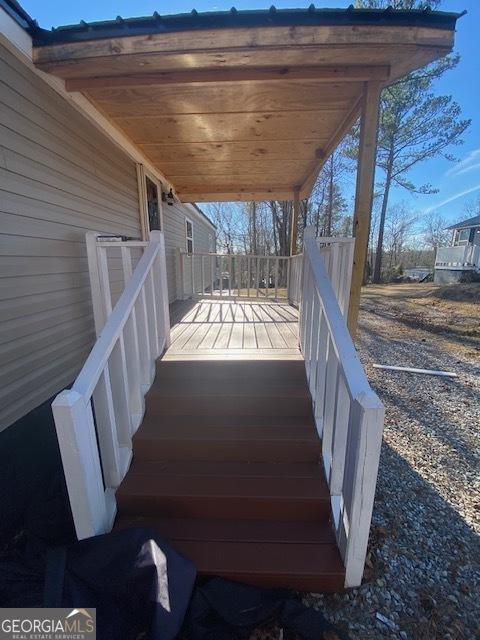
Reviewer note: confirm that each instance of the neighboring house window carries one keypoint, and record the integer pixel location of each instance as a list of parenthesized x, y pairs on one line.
[(463, 236), (189, 235)]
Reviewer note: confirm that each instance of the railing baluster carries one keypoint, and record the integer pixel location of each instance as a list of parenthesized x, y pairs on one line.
[(106, 431), (213, 267), (152, 316), (257, 275), (248, 276), (143, 340), (230, 265), (276, 278), (203, 274), (192, 274), (220, 274), (132, 355)]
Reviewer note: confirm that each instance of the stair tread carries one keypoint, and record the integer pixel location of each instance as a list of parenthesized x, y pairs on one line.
[(197, 468), (153, 480), (152, 423), (155, 429), (253, 554), (234, 530)]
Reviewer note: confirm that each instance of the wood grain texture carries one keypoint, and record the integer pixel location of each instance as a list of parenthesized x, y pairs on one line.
[(235, 87), (235, 484)]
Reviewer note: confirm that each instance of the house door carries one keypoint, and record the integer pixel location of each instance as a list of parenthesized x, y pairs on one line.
[(153, 205)]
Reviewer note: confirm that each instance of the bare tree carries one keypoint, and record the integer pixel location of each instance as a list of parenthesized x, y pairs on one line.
[(435, 231)]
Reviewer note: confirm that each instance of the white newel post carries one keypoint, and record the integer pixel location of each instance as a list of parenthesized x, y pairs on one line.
[(368, 418), (92, 512)]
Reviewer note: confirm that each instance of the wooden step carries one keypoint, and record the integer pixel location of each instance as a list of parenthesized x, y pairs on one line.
[(291, 554), (211, 490), (229, 388), (235, 438), (184, 403), (281, 372)]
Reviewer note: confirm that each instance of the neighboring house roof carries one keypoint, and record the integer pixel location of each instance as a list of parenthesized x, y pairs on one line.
[(229, 19), (471, 222)]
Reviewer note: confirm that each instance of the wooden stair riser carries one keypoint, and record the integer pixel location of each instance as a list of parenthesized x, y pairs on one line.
[(232, 450), (226, 405), (226, 507)]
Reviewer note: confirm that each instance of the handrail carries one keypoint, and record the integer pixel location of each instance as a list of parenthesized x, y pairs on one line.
[(95, 363), (348, 414), (106, 402), (346, 353)]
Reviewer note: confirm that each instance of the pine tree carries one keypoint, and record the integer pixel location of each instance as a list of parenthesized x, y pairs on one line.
[(414, 125)]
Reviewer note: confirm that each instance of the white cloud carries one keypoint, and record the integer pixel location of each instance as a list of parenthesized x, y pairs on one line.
[(452, 198), (470, 163)]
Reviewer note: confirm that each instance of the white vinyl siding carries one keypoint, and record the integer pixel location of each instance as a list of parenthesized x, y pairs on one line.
[(59, 178), (174, 217)]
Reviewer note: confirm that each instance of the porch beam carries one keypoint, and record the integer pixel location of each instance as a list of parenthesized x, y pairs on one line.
[(326, 73), (364, 194), (234, 195)]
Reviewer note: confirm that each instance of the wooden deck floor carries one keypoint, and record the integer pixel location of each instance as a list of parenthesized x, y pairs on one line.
[(243, 329)]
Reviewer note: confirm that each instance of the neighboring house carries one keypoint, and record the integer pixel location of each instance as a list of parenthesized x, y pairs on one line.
[(461, 260)]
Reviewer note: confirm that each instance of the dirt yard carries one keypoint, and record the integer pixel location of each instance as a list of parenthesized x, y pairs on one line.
[(422, 577)]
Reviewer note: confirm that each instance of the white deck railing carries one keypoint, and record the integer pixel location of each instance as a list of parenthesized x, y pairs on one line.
[(348, 414), (233, 275), (106, 401), (458, 258), (252, 276)]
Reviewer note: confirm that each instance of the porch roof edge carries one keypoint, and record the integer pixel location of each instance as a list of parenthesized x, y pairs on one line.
[(273, 17)]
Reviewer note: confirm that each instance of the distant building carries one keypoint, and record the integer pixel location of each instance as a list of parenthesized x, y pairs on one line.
[(453, 263)]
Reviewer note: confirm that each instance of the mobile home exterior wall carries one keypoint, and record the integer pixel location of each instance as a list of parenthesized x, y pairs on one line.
[(59, 178)]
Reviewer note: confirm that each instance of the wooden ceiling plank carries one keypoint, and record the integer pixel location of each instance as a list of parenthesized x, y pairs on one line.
[(310, 125), (339, 133), (207, 152), (231, 167), (227, 97), (338, 73)]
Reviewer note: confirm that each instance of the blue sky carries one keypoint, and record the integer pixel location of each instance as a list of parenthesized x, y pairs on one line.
[(457, 183)]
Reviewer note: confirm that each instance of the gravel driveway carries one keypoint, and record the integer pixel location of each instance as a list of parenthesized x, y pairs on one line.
[(422, 576)]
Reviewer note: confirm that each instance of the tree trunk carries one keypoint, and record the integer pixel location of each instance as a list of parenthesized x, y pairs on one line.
[(377, 272)]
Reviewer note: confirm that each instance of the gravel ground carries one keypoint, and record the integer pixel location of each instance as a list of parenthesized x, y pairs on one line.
[(422, 579)]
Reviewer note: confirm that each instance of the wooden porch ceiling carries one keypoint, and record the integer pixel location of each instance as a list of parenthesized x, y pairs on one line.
[(245, 113)]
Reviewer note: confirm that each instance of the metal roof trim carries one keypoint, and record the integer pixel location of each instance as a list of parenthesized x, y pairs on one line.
[(124, 27)]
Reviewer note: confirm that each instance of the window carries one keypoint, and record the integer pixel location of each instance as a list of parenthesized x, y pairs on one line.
[(153, 205), (189, 235), (211, 243), (463, 236)]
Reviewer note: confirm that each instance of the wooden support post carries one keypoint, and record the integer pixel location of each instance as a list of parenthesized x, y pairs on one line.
[(295, 213), (364, 194)]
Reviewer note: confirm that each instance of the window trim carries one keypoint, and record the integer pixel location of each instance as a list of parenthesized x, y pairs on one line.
[(187, 237)]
